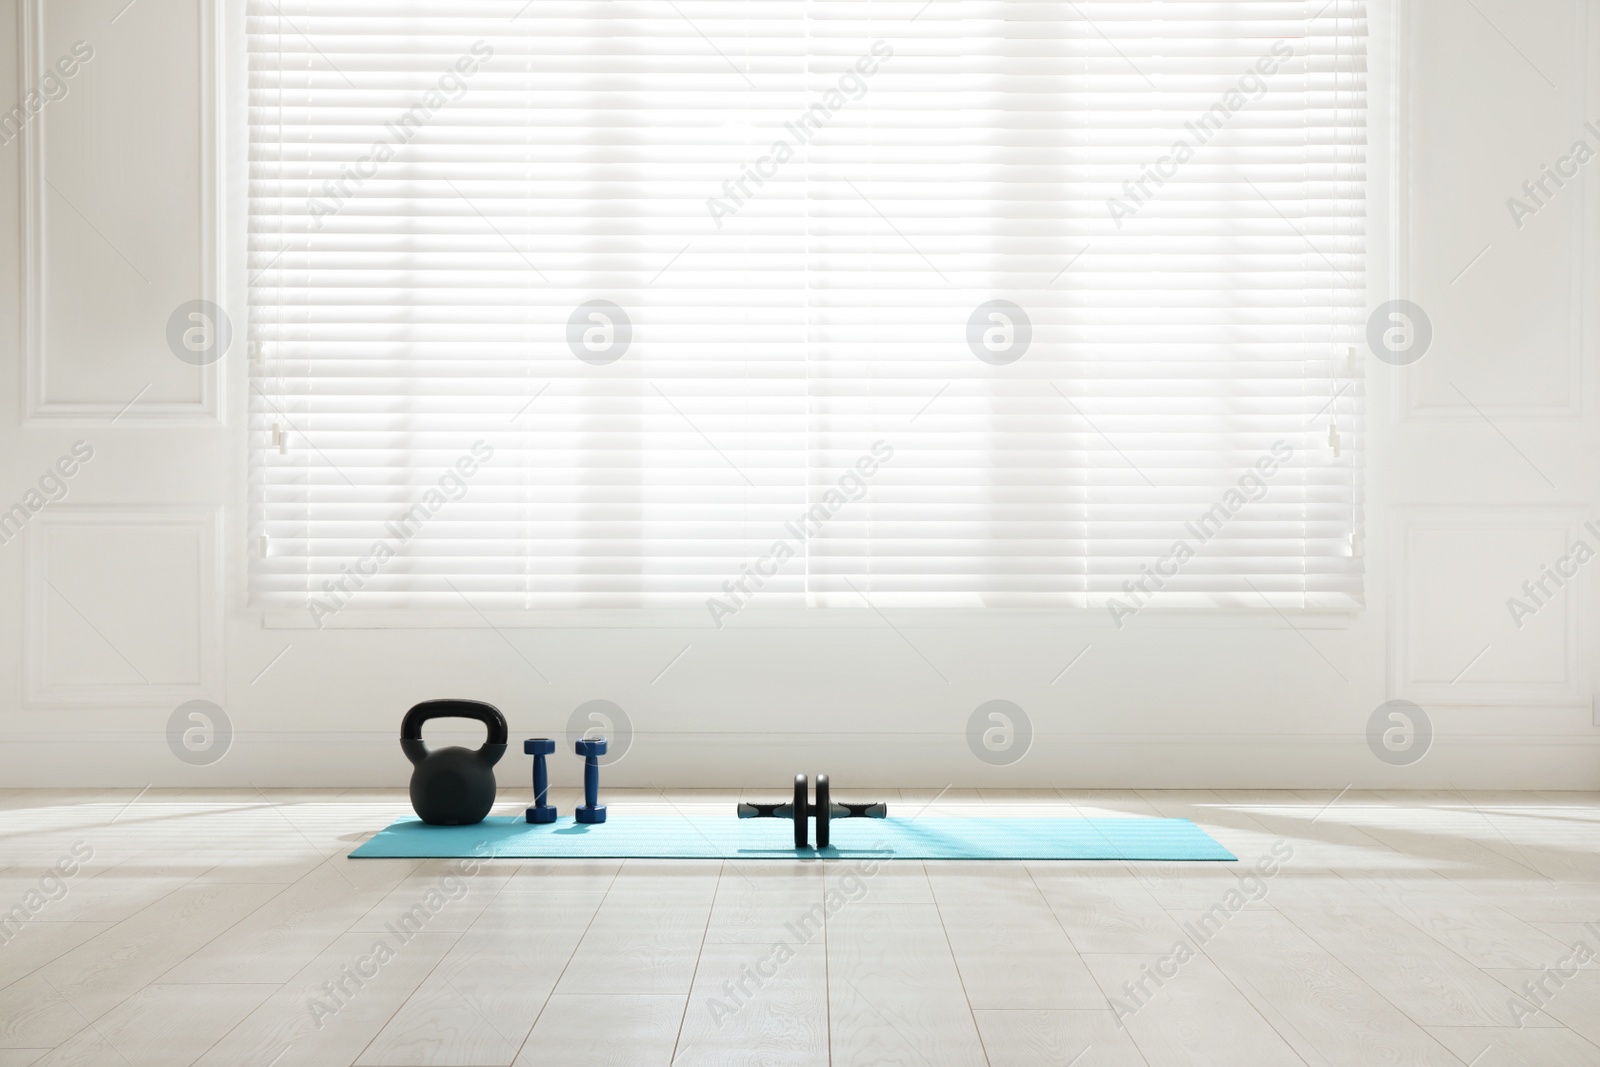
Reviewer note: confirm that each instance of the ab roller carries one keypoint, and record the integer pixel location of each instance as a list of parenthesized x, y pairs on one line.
[(455, 786), (800, 809)]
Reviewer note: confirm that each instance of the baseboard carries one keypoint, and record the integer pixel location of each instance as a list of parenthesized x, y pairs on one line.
[(930, 761)]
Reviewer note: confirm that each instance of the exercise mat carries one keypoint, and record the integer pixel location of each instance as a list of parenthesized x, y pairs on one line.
[(725, 837)]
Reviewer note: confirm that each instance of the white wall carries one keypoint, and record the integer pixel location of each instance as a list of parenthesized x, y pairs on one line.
[(127, 599)]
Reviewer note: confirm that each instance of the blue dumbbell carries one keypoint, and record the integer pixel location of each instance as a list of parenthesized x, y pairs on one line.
[(539, 748), (591, 749)]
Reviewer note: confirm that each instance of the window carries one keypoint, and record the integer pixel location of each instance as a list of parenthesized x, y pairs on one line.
[(668, 303)]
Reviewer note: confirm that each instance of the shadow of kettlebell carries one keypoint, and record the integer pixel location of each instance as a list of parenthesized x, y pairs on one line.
[(453, 786)]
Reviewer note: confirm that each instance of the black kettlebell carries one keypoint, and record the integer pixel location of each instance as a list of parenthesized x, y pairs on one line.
[(453, 786)]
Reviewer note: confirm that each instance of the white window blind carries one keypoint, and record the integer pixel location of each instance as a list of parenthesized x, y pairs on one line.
[(730, 303)]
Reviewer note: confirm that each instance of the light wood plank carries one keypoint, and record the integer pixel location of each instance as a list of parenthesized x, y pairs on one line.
[(605, 1031), (1196, 1019), (288, 931), (1105, 908), (757, 902), (66, 995), (1459, 843), (133, 886), (1478, 931), (758, 1004), (687, 882), (295, 1026), (639, 945), (1572, 1001), (1009, 950), (439, 893), (1322, 840), (994, 885), (35, 944), (563, 877), (894, 991), (161, 1025), (478, 1005), (1031, 1038), (1539, 903), (1426, 980), (1200, 886), (1317, 1004), (1507, 1046), (892, 881)]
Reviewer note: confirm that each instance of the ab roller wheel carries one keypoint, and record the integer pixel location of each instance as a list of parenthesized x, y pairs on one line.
[(798, 811), (824, 810)]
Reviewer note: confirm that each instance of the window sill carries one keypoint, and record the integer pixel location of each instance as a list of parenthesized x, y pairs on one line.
[(1085, 619)]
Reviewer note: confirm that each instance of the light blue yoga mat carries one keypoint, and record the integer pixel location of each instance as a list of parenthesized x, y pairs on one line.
[(731, 838)]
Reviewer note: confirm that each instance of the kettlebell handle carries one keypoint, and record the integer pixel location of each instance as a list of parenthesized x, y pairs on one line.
[(494, 746)]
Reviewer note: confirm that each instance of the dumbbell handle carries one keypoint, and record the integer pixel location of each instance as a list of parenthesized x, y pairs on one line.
[(591, 781), (541, 781)]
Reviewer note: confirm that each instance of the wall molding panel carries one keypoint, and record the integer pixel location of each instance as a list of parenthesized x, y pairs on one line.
[(1576, 257), (123, 606), (1453, 640), (127, 326)]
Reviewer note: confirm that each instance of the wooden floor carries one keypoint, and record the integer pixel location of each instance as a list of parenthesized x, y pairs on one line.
[(227, 928)]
